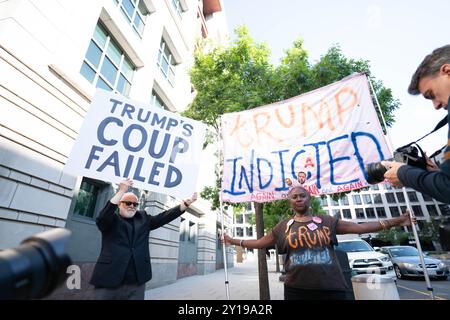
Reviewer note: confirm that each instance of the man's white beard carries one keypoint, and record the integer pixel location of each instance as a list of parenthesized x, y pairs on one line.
[(128, 213)]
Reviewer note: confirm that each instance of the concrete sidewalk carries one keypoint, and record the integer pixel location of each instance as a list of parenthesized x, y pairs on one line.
[(243, 284)]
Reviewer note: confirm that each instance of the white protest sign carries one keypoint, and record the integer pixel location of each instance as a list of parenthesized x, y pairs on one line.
[(119, 138), (320, 140)]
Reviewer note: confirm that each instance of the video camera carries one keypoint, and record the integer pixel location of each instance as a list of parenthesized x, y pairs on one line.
[(35, 268), (410, 154)]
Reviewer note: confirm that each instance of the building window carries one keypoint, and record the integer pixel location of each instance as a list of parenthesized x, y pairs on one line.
[(390, 198), (347, 213), (337, 213), (182, 229), (426, 197), (249, 231), (375, 187), (176, 4), (388, 187), (360, 213), (87, 198), (381, 213), (239, 232), (239, 218), (394, 211), (402, 209), (432, 211), (412, 196), (323, 202), (377, 198), (400, 197), (157, 101), (248, 206), (192, 232), (334, 202), (370, 212), (166, 62), (106, 65), (417, 210), (367, 199), (356, 199), (134, 14), (344, 201)]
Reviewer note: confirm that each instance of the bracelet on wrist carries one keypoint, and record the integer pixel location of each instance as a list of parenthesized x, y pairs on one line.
[(241, 243), (185, 204), (384, 224)]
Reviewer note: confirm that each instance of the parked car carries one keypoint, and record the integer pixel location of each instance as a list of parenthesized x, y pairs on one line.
[(364, 259), (407, 263)]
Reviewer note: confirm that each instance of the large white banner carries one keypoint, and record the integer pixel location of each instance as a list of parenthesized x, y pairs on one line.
[(120, 138), (320, 140)]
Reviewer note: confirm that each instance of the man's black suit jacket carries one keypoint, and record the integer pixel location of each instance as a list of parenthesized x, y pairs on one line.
[(118, 247)]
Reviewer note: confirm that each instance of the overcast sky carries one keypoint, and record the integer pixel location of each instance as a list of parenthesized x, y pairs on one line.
[(394, 35)]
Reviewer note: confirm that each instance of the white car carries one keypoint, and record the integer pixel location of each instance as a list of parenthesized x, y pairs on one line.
[(363, 258)]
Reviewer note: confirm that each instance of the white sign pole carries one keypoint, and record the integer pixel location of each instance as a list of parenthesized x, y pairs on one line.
[(224, 248)]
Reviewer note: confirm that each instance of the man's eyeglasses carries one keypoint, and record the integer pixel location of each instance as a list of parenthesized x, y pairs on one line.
[(129, 203)]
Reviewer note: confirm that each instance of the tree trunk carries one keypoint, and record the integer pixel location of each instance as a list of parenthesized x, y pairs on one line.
[(264, 292)]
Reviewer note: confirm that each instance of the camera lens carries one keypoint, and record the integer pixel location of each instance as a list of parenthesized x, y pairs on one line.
[(375, 172), (36, 267)]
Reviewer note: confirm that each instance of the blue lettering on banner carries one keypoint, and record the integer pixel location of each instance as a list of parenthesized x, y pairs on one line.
[(242, 178), (258, 166), (283, 180), (316, 146), (333, 161), (244, 175), (358, 155), (294, 174)]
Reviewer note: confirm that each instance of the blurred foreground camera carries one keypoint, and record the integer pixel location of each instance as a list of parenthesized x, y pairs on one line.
[(36, 267), (408, 154)]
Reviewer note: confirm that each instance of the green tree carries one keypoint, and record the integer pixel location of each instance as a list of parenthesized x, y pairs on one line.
[(395, 236), (239, 77), (429, 231)]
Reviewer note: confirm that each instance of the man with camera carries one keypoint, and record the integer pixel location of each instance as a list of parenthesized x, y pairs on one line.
[(123, 267), (432, 80)]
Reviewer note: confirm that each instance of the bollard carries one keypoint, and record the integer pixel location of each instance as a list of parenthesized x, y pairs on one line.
[(374, 287)]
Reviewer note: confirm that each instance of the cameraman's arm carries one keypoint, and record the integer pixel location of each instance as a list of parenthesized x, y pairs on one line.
[(436, 183)]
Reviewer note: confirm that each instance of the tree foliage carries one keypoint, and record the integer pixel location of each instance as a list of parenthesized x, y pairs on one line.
[(395, 236)]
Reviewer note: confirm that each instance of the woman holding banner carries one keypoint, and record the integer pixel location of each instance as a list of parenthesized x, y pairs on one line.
[(313, 270)]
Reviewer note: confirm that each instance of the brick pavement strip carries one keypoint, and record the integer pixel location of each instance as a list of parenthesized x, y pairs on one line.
[(243, 284)]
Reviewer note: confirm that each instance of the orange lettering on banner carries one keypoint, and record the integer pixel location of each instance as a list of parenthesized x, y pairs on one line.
[(302, 231), (340, 108), (291, 114), (317, 116), (292, 244), (259, 129), (238, 126)]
